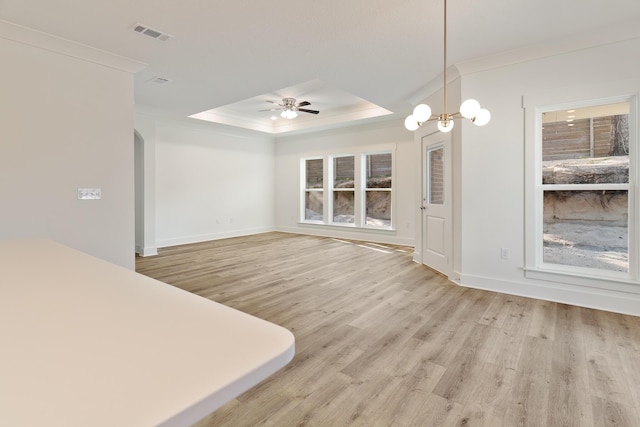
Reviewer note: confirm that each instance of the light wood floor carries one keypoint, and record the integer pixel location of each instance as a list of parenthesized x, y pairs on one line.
[(383, 341)]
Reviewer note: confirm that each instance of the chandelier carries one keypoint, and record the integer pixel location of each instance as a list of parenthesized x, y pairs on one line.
[(469, 109)]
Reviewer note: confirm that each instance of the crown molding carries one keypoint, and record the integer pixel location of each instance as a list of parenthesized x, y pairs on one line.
[(38, 39), (600, 37)]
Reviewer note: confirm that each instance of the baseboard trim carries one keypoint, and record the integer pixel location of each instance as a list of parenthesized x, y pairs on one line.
[(360, 234), (600, 299), (144, 252), (213, 236)]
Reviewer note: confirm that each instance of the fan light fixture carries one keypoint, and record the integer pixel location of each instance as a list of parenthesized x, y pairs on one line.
[(470, 109), (289, 114), (289, 108)]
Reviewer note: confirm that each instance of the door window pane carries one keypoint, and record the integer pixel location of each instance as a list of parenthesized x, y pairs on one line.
[(436, 176)]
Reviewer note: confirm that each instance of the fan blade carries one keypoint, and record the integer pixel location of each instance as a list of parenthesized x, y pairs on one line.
[(304, 110), (273, 102), (272, 109), (304, 104)]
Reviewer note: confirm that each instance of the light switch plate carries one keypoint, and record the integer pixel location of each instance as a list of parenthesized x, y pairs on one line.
[(89, 193)]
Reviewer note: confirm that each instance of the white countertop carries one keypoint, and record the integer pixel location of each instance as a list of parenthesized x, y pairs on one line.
[(86, 343)]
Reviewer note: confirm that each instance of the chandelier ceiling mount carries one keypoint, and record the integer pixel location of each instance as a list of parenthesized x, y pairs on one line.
[(469, 109)]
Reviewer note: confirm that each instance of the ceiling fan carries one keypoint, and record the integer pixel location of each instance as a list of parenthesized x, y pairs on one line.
[(290, 109)]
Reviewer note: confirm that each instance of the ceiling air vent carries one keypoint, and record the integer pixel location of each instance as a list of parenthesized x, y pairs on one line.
[(150, 32), (159, 80)]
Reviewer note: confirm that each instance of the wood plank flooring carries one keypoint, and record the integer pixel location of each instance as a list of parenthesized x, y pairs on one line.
[(383, 341)]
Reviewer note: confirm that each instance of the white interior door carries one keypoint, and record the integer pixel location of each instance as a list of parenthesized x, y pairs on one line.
[(437, 234)]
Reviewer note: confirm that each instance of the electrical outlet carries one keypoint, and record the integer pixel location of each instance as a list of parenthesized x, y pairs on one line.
[(504, 253), (89, 194)]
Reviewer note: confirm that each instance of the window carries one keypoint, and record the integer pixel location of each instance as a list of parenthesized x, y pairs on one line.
[(313, 189), (585, 203), (378, 189), (585, 186), (344, 189), (358, 190)]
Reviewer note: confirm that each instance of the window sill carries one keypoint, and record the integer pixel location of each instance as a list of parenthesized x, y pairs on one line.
[(615, 281), (349, 227)]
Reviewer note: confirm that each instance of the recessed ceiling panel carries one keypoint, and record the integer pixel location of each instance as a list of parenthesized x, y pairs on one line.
[(335, 106)]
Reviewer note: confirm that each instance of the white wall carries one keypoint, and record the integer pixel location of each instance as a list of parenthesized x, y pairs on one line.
[(66, 123), (290, 149), (211, 183), (493, 168)]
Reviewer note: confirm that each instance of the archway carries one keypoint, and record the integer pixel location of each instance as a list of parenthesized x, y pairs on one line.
[(138, 156)]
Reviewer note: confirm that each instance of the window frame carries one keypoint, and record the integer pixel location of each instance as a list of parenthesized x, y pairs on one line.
[(333, 189), (365, 189), (303, 185), (535, 267), (359, 189)]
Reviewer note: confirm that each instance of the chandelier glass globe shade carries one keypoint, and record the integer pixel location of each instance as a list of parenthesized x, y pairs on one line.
[(469, 108), (411, 123), (445, 125), (422, 112), (482, 117)]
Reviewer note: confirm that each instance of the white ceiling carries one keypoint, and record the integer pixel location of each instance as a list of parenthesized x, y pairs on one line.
[(232, 56), (335, 106)]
